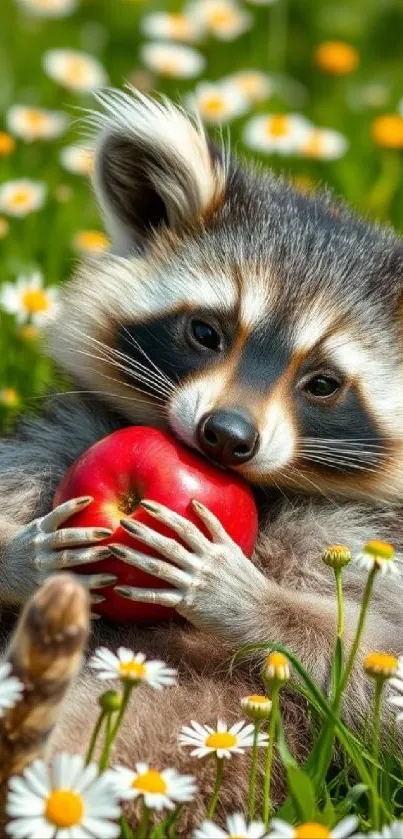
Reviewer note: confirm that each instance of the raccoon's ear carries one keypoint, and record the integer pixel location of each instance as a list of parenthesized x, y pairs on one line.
[(154, 166)]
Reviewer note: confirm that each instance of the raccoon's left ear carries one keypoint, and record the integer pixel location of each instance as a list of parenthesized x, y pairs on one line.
[(154, 166)]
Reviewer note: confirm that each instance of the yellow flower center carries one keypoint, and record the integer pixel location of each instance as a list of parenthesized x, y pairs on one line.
[(168, 67), (380, 550), (337, 556), (249, 84), (35, 300), (311, 830), (7, 144), (221, 18), (221, 740), (132, 670), (20, 198), (213, 104), (336, 57), (180, 26), (277, 126), (64, 808), (257, 698), (277, 660), (383, 664), (76, 70), (92, 240), (35, 119), (9, 397), (150, 781), (387, 131), (314, 145)]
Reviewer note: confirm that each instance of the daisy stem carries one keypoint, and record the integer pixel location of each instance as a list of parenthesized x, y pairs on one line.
[(112, 730), (358, 635), (143, 831), (103, 760), (269, 757), (379, 685), (340, 602), (217, 786), (94, 737), (253, 771)]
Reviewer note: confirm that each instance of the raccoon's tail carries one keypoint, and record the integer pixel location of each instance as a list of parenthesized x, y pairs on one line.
[(45, 653)]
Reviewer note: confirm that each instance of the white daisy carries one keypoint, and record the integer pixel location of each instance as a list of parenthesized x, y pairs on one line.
[(312, 830), (389, 831), (132, 667), (77, 159), (281, 133), (68, 801), (323, 144), (10, 687), (222, 741), (49, 8), (28, 300), (36, 123), (379, 555), (222, 18), (172, 60), (176, 26), (254, 85), (18, 198), (159, 789), (74, 70), (217, 102), (237, 828)]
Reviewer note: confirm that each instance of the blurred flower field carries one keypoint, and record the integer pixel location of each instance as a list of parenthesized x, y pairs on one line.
[(309, 87)]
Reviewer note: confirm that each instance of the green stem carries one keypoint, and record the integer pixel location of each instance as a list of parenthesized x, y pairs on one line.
[(94, 737), (340, 602), (143, 831), (358, 635), (217, 786), (253, 772), (269, 757), (375, 751), (126, 831), (112, 730), (387, 184), (277, 35), (171, 821), (104, 759)]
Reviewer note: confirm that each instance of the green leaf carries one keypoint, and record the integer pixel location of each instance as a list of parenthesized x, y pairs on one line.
[(302, 792)]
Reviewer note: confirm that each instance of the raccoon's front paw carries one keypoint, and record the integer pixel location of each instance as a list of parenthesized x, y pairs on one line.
[(39, 549), (213, 582)]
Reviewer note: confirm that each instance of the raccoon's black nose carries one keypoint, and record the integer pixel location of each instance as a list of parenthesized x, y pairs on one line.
[(229, 437)]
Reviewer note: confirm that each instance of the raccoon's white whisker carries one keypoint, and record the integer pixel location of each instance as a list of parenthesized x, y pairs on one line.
[(340, 464), (111, 351), (317, 488), (132, 387), (154, 387), (138, 347), (157, 391)]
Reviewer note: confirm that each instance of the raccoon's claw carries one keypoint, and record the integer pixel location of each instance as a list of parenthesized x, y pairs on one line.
[(54, 560), (212, 579)]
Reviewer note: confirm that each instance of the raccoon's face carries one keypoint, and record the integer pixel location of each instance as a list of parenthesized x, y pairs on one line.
[(261, 326)]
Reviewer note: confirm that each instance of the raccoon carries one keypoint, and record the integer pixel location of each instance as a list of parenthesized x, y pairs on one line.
[(263, 328)]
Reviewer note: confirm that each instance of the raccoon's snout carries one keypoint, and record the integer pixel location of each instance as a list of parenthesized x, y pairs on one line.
[(228, 437)]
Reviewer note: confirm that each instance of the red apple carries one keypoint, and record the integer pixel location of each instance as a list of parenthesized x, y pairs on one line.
[(141, 462)]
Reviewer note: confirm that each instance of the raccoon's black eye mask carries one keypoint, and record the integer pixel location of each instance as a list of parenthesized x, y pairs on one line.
[(324, 405)]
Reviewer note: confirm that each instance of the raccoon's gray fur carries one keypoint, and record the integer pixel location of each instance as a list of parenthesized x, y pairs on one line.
[(289, 290)]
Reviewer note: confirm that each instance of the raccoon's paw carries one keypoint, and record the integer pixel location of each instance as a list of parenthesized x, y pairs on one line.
[(39, 549), (213, 583)]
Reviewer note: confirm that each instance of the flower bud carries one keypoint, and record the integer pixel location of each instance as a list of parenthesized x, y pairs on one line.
[(276, 670), (336, 556), (256, 707), (111, 700)]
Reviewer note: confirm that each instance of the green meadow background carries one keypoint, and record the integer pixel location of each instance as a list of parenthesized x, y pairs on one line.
[(281, 42)]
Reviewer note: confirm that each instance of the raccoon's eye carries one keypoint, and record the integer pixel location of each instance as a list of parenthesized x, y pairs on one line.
[(321, 386), (199, 333)]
